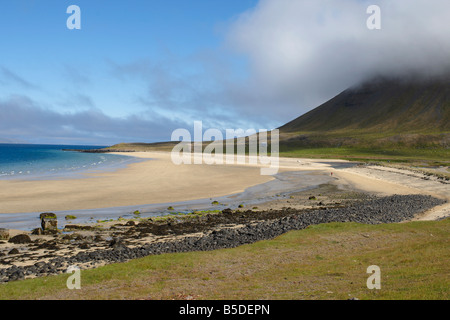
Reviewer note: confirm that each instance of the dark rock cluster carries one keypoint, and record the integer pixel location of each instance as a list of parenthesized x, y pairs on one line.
[(374, 211)]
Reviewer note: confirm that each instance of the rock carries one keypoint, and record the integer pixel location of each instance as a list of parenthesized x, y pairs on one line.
[(37, 232), (47, 215), (4, 234), (39, 264), (16, 275), (116, 243), (98, 238), (20, 239), (130, 223), (85, 246), (78, 237), (227, 211), (78, 227), (51, 245), (14, 251), (374, 211), (49, 222), (68, 237)]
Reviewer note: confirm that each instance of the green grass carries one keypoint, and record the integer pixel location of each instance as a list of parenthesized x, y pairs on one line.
[(368, 146), (440, 156), (321, 262), (351, 144)]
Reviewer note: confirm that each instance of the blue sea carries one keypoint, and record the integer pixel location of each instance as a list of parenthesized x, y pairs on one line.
[(32, 161)]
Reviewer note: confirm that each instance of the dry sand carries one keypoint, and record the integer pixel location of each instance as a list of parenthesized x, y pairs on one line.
[(158, 180)]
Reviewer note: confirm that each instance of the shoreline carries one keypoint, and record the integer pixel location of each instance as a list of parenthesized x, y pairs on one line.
[(236, 184), (142, 183), (294, 175), (58, 166), (50, 255), (282, 186)]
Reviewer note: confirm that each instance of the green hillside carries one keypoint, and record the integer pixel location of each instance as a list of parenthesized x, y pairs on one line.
[(383, 118), (382, 106)]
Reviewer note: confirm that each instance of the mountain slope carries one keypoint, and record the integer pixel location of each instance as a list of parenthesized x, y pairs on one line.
[(383, 106), (379, 115)]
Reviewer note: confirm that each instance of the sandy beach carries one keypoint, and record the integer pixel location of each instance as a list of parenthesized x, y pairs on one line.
[(304, 192), (158, 180)]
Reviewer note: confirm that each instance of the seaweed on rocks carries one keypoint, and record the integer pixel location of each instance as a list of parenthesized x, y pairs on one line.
[(217, 234)]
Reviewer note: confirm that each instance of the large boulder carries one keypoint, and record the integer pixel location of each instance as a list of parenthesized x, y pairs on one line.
[(20, 239), (49, 222), (47, 215)]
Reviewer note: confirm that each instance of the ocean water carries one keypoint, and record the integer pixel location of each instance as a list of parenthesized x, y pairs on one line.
[(31, 161)]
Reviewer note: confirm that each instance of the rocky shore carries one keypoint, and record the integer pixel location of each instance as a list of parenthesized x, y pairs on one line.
[(89, 247)]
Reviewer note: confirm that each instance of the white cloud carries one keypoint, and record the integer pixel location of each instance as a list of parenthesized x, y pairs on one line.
[(302, 52), (25, 120)]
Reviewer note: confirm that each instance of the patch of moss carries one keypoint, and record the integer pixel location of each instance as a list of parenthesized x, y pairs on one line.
[(47, 215), (103, 221)]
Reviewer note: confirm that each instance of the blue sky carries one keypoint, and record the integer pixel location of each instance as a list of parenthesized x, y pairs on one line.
[(139, 69), (35, 31), (70, 71)]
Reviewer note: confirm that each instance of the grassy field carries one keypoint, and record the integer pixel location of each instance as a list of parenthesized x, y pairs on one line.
[(431, 156), (322, 262), (369, 147)]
